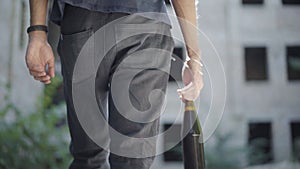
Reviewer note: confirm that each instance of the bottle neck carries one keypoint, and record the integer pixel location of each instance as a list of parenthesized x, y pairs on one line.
[(189, 106), (191, 121)]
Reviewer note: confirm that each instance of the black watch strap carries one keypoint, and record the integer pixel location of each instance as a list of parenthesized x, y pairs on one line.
[(37, 28)]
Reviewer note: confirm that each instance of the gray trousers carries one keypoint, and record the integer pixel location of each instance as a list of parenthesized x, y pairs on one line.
[(127, 55)]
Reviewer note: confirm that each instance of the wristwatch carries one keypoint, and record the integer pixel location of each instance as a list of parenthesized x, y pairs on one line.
[(37, 28)]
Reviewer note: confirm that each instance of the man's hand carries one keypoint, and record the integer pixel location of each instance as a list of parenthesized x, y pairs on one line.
[(39, 57), (192, 79), (191, 74)]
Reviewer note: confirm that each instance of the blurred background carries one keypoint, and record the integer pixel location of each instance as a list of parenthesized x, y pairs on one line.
[(258, 42)]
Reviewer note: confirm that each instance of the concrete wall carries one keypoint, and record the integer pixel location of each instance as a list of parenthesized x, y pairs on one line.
[(276, 100)]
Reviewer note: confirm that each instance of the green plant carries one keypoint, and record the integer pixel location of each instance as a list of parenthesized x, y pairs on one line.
[(222, 155), (257, 152), (34, 140)]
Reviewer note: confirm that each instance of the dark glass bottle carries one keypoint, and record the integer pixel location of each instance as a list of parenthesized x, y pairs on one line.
[(192, 143)]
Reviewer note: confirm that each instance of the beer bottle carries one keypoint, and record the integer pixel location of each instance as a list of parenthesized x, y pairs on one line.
[(192, 143)]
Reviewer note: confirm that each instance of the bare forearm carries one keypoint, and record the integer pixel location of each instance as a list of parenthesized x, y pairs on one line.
[(38, 12), (186, 11)]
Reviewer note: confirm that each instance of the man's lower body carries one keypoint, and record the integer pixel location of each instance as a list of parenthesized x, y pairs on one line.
[(146, 56)]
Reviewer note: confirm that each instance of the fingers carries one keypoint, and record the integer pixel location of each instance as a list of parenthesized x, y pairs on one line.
[(37, 73), (185, 88), (51, 67), (192, 78), (188, 92), (196, 61), (36, 70), (43, 79)]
